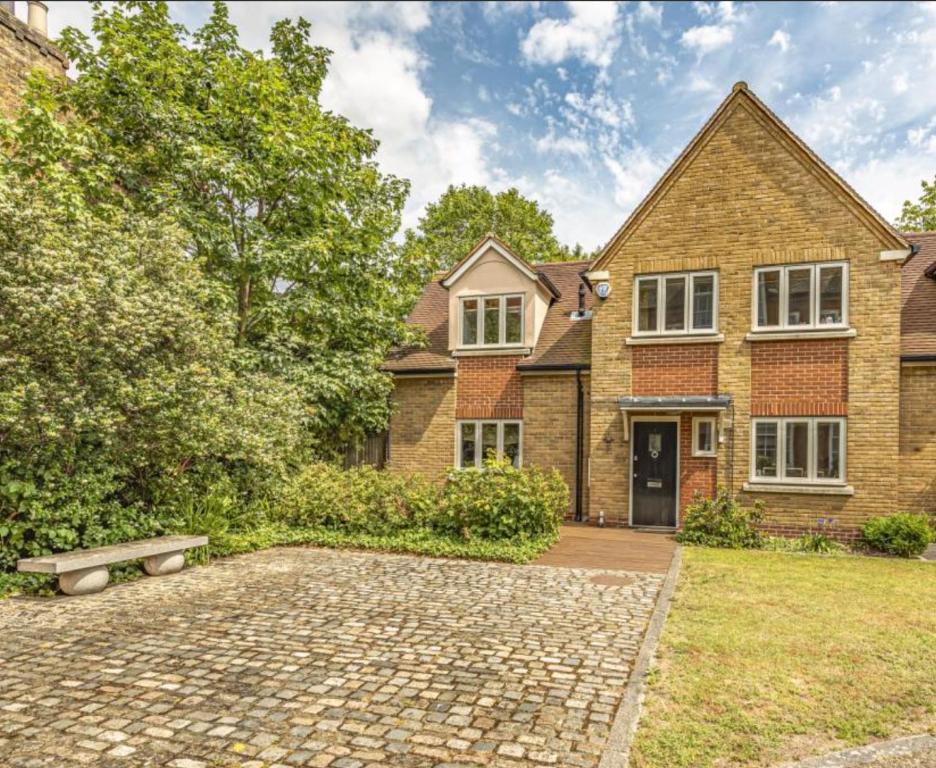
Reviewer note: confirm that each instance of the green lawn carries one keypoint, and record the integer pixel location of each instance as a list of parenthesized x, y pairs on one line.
[(768, 656)]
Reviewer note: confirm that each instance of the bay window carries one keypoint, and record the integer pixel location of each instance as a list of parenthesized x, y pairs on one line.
[(491, 321), (478, 441), (798, 450), (683, 303), (801, 296)]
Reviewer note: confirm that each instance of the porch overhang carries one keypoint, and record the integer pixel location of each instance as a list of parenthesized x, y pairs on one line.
[(716, 404)]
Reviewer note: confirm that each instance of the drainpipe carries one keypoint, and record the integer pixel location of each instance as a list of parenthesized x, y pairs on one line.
[(579, 440)]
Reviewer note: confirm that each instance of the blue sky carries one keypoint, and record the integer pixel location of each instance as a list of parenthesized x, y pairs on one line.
[(583, 105)]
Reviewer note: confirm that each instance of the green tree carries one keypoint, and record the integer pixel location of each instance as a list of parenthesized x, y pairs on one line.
[(279, 199), (920, 216), (120, 384), (463, 215)]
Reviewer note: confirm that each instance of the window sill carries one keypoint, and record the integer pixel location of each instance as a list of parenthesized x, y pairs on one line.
[(689, 338), (486, 351), (801, 488), (793, 335)]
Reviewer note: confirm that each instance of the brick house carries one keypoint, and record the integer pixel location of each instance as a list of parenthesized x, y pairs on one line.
[(753, 324)]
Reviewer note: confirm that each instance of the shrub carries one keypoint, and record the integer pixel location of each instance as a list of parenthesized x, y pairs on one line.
[(721, 522), (502, 502), (359, 500), (904, 534), (497, 503)]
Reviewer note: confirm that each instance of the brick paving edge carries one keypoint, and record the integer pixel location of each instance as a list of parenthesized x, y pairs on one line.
[(908, 745), (617, 752)]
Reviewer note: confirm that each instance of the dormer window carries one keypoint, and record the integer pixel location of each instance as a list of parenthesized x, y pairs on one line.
[(492, 321)]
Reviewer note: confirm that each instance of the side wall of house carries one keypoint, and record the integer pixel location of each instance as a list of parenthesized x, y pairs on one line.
[(422, 428), (21, 51), (918, 438), (549, 423), (746, 200)]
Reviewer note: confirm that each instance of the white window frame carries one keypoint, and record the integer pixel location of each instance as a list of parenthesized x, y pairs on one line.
[(502, 321), (811, 478), (696, 420), (814, 309), (688, 314), (479, 459)]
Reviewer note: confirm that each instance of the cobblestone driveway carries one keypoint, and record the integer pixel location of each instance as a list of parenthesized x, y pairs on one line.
[(320, 658)]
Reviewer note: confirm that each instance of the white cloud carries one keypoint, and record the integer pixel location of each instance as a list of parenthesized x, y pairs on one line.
[(590, 34), (647, 11), (600, 106), (886, 183), (781, 39), (569, 145), (900, 84), (707, 38), (634, 173)]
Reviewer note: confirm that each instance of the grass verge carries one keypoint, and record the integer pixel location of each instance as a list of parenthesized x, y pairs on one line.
[(418, 542), (768, 657)]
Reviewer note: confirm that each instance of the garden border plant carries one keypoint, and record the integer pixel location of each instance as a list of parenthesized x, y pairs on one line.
[(499, 513)]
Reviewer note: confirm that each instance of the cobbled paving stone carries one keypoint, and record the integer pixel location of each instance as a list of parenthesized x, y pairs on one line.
[(307, 657)]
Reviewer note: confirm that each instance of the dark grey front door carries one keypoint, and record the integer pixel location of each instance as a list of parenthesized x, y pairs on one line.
[(654, 445)]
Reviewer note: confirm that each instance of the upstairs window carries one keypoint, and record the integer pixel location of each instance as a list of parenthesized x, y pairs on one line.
[(801, 296), (492, 321), (675, 304)]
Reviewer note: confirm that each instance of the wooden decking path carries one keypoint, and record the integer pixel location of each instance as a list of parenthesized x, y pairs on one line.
[(617, 549)]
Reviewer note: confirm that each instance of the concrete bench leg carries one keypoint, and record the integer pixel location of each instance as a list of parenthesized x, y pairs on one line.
[(168, 562), (85, 581)]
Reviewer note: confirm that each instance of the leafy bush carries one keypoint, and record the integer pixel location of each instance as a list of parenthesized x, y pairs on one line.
[(359, 500), (502, 502), (121, 390), (721, 522), (497, 503), (904, 534)]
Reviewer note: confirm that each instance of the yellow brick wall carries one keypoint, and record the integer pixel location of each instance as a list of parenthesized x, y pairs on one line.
[(746, 200), (918, 438), (422, 429), (22, 50), (549, 418)]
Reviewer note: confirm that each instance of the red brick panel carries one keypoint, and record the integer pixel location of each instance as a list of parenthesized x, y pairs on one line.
[(696, 473), (674, 369), (489, 388), (799, 378)]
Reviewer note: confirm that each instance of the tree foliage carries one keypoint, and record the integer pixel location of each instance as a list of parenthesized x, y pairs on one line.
[(921, 215), (120, 384), (279, 199), (459, 219)]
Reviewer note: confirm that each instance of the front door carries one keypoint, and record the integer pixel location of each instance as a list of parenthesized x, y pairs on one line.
[(654, 447)]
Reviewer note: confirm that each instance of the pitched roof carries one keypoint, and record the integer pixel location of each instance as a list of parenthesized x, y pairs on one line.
[(918, 298), (562, 341), (741, 94), (430, 314)]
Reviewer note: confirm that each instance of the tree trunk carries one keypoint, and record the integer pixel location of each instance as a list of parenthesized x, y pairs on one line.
[(243, 308)]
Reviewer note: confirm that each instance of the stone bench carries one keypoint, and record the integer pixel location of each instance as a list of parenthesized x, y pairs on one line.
[(85, 570)]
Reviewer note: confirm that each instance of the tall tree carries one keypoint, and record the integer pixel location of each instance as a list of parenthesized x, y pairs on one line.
[(920, 216), (280, 199), (459, 219)]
